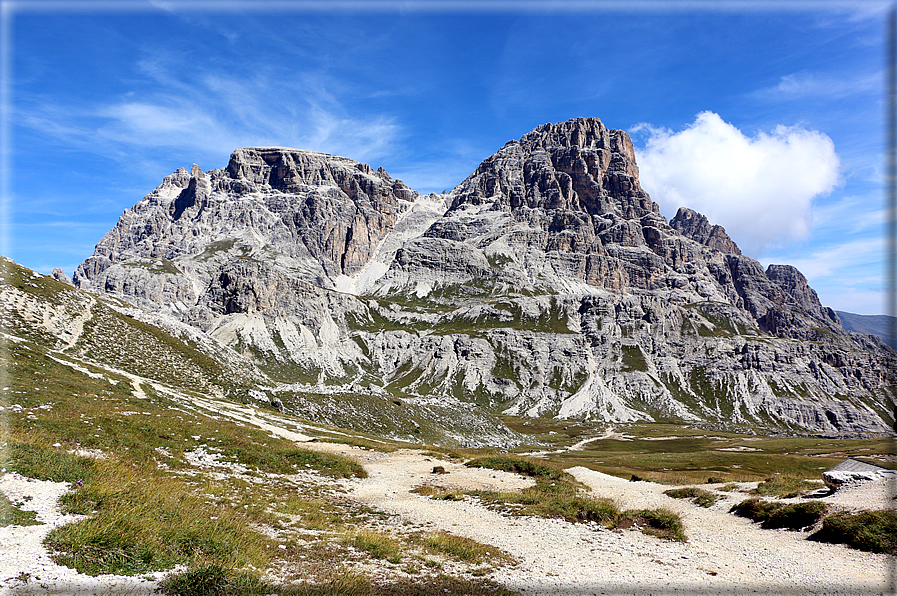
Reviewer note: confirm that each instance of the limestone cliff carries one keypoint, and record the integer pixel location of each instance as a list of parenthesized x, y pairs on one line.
[(547, 283)]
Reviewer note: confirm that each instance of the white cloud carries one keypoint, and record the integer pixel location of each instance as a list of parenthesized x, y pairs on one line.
[(759, 188), (211, 116)]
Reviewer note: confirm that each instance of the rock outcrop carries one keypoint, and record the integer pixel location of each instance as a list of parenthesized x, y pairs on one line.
[(692, 224), (545, 284)]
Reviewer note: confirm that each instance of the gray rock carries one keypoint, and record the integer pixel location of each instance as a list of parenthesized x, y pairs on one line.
[(60, 275)]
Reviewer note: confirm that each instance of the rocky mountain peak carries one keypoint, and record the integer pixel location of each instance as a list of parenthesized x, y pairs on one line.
[(795, 286), (696, 226), (578, 165), (584, 133)]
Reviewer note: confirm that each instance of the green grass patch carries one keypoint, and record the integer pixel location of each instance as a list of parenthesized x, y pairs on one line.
[(378, 544), (11, 514), (519, 465), (284, 459), (36, 459), (784, 487), (698, 496), (144, 521), (693, 454), (463, 549), (438, 493), (213, 580), (562, 501), (873, 531)]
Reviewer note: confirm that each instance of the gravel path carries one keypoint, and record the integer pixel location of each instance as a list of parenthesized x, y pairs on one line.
[(725, 554)]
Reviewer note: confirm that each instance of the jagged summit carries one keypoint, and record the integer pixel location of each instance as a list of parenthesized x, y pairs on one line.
[(577, 165), (547, 283), (697, 227)]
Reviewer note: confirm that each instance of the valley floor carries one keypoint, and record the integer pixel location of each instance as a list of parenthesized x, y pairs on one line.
[(724, 554)]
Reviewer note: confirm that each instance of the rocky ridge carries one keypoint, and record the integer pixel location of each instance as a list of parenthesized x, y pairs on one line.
[(545, 284)]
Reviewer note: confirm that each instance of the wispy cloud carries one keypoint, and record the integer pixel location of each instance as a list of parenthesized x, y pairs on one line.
[(845, 260), (850, 216), (759, 188), (211, 115), (804, 84), (847, 276)]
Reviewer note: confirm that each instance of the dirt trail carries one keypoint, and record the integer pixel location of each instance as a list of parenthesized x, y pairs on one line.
[(725, 554)]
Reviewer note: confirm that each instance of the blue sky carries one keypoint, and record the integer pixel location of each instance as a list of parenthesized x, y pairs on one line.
[(767, 117)]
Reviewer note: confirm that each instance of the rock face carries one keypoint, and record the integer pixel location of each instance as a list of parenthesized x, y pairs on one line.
[(545, 284)]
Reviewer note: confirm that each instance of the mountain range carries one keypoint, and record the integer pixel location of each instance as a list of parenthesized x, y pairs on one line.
[(547, 283)]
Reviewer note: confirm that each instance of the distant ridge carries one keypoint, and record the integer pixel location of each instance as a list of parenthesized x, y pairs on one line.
[(879, 325)]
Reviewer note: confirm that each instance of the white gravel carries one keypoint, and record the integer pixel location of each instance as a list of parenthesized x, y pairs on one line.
[(725, 554), (25, 566)]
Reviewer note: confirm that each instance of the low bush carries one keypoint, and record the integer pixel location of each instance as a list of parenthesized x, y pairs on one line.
[(793, 516), (661, 522), (874, 531)]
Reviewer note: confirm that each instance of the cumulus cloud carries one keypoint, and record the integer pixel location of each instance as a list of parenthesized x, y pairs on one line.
[(759, 188)]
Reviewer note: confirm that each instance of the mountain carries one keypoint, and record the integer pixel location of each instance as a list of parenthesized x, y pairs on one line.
[(547, 283), (880, 325)]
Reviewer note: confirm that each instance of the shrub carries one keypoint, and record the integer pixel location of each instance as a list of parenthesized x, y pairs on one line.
[(661, 522), (874, 531), (779, 515)]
